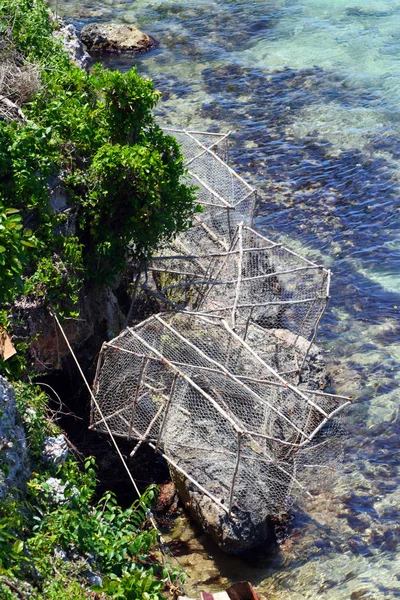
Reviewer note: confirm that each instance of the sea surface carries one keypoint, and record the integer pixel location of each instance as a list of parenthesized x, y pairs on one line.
[(311, 91)]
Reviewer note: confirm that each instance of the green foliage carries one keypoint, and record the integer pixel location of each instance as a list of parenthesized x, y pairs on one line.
[(141, 585), (100, 534), (129, 185), (103, 529), (15, 240), (128, 101), (123, 181), (122, 177), (32, 407), (96, 533), (31, 28), (11, 546)]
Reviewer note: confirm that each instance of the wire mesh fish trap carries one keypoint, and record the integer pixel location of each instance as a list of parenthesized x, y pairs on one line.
[(265, 291), (226, 197), (192, 389), (194, 143)]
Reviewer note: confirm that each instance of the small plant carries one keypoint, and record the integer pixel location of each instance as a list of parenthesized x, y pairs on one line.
[(97, 535)]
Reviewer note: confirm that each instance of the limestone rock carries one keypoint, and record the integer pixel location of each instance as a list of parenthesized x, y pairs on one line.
[(116, 38), (100, 319), (14, 461), (55, 450), (233, 536), (54, 491), (73, 45)]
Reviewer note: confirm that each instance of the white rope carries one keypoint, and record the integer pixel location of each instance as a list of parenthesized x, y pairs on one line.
[(103, 419)]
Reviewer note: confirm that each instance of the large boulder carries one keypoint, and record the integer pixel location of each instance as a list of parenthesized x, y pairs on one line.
[(14, 460), (251, 527), (116, 38), (243, 532)]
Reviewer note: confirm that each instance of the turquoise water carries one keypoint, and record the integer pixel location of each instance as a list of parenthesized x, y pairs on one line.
[(311, 90)]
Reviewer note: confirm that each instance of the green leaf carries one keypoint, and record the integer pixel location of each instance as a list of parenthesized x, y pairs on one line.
[(18, 546)]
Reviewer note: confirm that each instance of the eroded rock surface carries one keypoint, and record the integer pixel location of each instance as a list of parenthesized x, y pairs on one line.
[(100, 318), (73, 45), (244, 532), (116, 38), (14, 461)]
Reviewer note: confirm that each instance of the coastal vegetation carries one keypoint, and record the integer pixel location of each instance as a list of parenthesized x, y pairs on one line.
[(87, 181)]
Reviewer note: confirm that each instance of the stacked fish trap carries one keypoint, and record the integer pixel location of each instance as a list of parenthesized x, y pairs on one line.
[(210, 382), (269, 295)]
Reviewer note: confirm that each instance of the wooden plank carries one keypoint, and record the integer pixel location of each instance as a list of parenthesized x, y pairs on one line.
[(7, 349)]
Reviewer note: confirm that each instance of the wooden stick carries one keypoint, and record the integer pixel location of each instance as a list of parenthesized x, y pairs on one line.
[(259, 235), (194, 481), (171, 394), (239, 442), (225, 372), (239, 275), (225, 203), (143, 367), (116, 413), (133, 300), (272, 303), (210, 233), (275, 374), (317, 323), (335, 412), (96, 378), (105, 422), (279, 273), (187, 378), (146, 433), (225, 166), (205, 149), (212, 254)]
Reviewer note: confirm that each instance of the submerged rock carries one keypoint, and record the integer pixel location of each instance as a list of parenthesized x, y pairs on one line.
[(116, 38)]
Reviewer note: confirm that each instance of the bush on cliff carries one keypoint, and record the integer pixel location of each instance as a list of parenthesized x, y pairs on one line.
[(87, 180), (117, 179)]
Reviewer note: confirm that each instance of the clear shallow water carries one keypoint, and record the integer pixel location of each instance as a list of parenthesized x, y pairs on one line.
[(311, 89)]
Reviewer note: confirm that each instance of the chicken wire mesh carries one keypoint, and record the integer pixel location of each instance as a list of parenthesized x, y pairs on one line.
[(191, 388), (195, 143), (213, 386), (270, 296), (227, 199)]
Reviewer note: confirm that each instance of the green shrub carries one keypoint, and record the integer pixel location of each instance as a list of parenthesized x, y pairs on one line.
[(116, 539), (123, 177)]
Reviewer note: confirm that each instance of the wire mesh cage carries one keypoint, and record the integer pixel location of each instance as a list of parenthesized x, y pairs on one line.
[(264, 290), (195, 143), (192, 389), (227, 199)]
